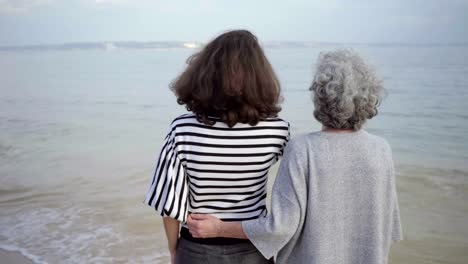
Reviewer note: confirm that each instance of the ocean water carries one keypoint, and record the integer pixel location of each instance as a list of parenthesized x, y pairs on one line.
[(80, 131)]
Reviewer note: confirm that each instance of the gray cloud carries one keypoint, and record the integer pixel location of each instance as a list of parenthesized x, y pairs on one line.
[(366, 21)]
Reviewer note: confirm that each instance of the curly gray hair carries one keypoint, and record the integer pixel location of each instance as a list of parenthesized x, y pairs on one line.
[(346, 90)]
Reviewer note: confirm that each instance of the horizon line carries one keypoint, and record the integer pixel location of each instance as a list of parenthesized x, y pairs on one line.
[(200, 43)]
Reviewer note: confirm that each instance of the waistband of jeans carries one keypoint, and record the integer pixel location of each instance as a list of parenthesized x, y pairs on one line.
[(219, 241)]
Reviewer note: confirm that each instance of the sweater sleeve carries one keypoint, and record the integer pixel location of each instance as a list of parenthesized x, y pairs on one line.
[(397, 233), (271, 233), (167, 192)]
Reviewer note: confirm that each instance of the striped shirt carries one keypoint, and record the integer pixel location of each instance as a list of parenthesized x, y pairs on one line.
[(216, 169)]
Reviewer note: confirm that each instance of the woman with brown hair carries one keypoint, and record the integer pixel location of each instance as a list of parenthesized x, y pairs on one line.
[(215, 160)]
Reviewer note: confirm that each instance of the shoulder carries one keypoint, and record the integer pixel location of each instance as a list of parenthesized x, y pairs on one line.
[(185, 118), (298, 142), (299, 146), (274, 122), (304, 141), (375, 138), (192, 118), (379, 142), (181, 121), (278, 120)]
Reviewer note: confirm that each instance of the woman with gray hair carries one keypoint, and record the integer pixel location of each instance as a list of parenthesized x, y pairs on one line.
[(334, 199)]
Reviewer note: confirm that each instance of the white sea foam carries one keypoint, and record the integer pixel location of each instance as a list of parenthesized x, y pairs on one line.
[(58, 235), (24, 252)]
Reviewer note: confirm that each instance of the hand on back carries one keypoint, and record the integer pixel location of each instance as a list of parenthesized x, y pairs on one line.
[(204, 225)]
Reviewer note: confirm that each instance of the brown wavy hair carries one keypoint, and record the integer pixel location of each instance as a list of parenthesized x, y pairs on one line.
[(230, 79)]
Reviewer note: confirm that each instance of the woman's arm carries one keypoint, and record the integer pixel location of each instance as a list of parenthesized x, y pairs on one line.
[(171, 226), (288, 209)]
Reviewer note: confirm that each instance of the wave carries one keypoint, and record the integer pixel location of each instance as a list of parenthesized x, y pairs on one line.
[(71, 234), (35, 259), (432, 115)]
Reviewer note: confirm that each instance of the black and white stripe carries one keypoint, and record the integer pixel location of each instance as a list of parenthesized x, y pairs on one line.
[(216, 169)]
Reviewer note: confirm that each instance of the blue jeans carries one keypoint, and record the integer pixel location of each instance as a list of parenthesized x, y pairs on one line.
[(194, 253)]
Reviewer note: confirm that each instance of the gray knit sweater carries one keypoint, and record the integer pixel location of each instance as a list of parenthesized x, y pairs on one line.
[(333, 202)]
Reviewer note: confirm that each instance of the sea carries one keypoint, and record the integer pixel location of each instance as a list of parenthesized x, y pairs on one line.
[(80, 131)]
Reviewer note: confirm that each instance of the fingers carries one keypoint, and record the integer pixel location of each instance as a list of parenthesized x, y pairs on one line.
[(195, 233), (190, 220), (196, 216), (199, 216), (193, 226)]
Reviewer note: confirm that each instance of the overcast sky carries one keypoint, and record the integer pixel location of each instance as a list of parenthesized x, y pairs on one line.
[(25, 22)]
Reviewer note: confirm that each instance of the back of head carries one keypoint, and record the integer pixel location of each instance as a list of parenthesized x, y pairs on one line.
[(346, 90), (230, 78)]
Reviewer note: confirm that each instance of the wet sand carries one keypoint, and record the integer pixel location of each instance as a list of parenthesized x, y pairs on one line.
[(13, 257)]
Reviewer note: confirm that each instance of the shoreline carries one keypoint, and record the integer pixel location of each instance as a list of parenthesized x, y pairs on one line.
[(14, 257)]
